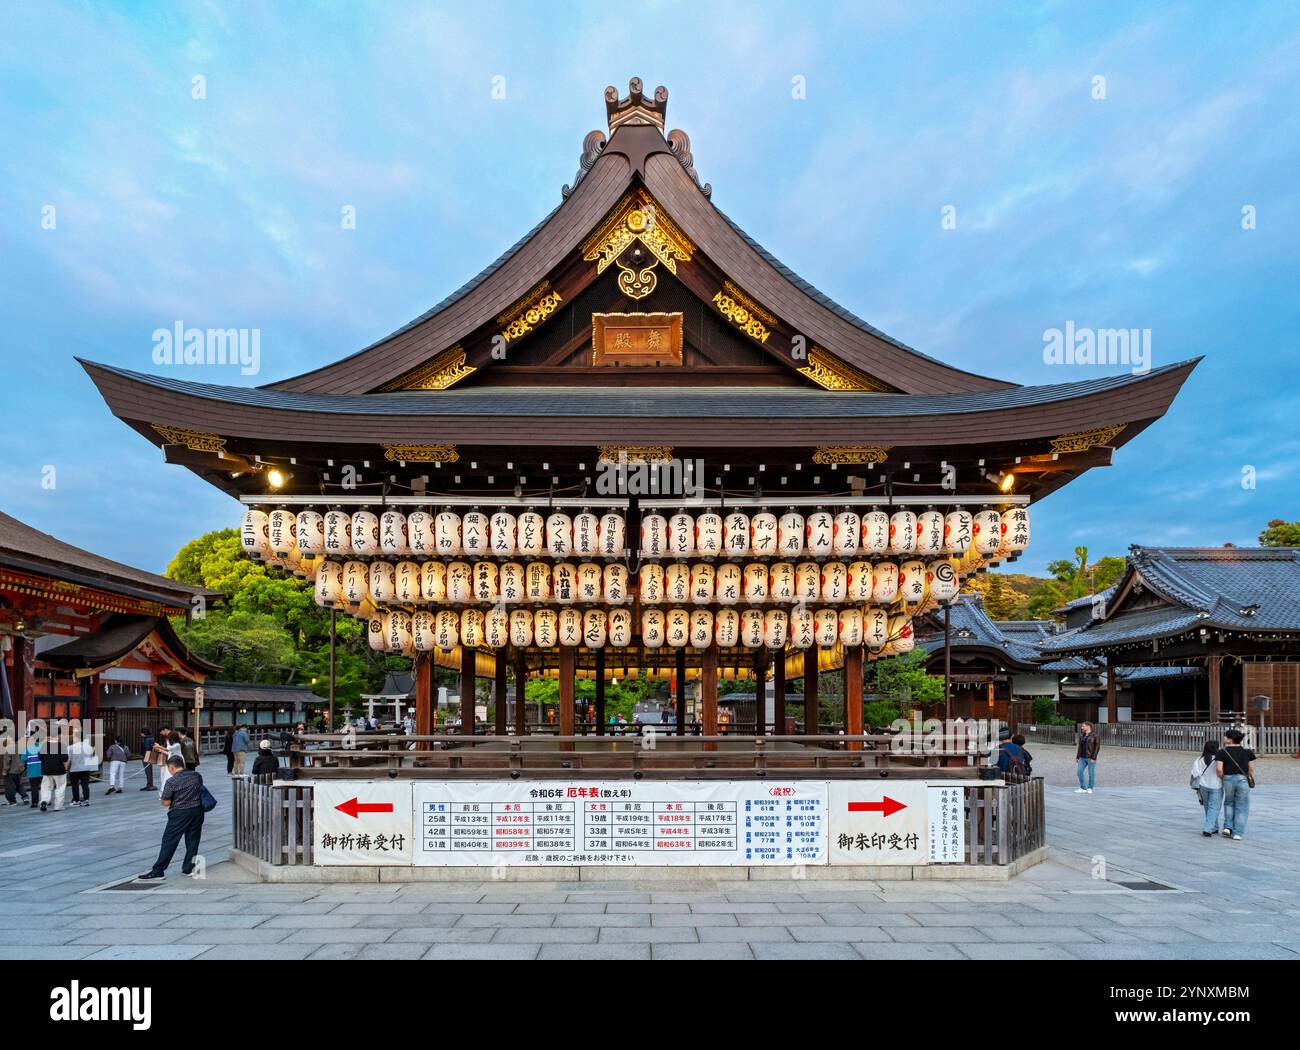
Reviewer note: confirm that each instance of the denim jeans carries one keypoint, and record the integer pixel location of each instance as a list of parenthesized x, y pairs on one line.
[(1236, 803), (1088, 766), (1212, 800), (181, 823)]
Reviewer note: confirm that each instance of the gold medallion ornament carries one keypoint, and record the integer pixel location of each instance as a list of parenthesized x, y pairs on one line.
[(830, 373), (1082, 440), (194, 440), (743, 312), (637, 219), (421, 454), (635, 453), (529, 312), (851, 454), (447, 369)]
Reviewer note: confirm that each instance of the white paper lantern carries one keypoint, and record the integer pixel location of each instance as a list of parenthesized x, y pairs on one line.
[(559, 535), (762, 534), (568, 627), (681, 535), (677, 628), (775, 628), (420, 533), (651, 583), (726, 628), (654, 535), (708, 534), (1015, 528), (546, 628), (958, 531), (902, 532), (911, 581), (433, 581), (803, 627), (620, 628), (701, 628), (735, 534), (826, 627), (460, 582), (848, 533), (586, 534), (988, 531), (329, 583), (677, 582), (471, 628), (851, 628), (476, 534), (875, 532), (397, 626), (875, 627), (496, 628), (376, 636), (729, 585), (900, 634), (652, 628), (446, 630), (929, 533), (942, 579), (591, 582), (858, 588), (564, 582), (780, 583), (595, 629), (282, 531), (789, 534), (383, 582), (422, 631), (521, 628), (819, 531), (756, 582), (447, 534), (834, 582), (751, 628), (530, 534), (702, 581), (537, 575), (254, 534), (393, 539), (310, 530), (615, 584), (884, 582), (807, 581), (612, 536), (512, 582), (356, 581), (365, 533), (486, 581), (502, 534), (338, 533)]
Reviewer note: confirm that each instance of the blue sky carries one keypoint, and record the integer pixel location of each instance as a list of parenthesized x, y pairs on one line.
[(1123, 211)]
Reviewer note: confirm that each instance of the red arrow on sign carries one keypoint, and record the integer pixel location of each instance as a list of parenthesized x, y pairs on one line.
[(353, 808), (884, 807)]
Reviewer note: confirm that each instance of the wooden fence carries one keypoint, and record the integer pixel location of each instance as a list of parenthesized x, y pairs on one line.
[(1168, 736)]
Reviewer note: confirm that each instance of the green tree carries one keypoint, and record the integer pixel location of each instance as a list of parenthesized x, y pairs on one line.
[(904, 681), (1281, 534), (1075, 579), (997, 602)]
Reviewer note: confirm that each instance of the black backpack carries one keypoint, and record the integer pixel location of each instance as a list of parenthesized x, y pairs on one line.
[(1017, 771)]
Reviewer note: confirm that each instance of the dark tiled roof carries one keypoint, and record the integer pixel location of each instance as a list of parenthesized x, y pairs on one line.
[(1087, 599), (237, 692), (617, 402), (968, 615), (118, 636), (1151, 674)]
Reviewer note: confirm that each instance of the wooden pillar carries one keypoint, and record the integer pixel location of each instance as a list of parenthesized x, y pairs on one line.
[(760, 693), (22, 680), (499, 695), (811, 711), (1112, 697), (681, 691), (778, 694), (853, 694), (709, 693), (947, 662), (424, 696), (600, 692), (1215, 681), (467, 669), (568, 665), (521, 690), (93, 690)]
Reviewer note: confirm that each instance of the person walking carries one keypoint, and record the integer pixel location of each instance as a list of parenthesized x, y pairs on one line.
[(1086, 758), (1236, 766), (32, 759), (82, 761), (54, 776), (240, 745), (228, 750), (14, 766), (266, 763), (182, 797), (1209, 787), (189, 749), (117, 757), (147, 758)]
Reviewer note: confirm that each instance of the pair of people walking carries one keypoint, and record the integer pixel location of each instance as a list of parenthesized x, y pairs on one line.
[(1223, 777)]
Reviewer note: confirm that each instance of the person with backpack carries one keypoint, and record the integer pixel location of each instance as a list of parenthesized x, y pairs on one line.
[(1019, 741), (1011, 758), (1208, 785), (117, 757), (1236, 766), (1086, 757)]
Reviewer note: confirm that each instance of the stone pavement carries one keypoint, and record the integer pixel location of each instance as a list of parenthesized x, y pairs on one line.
[(63, 897)]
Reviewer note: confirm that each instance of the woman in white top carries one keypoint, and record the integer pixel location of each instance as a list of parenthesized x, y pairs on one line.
[(173, 747), (1209, 785)]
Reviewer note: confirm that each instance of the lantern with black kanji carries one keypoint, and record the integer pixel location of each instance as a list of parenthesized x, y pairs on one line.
[(988, 531), (338, 533), (612, 537), (393, 538), (530, 534), (911, 581), (751, 628), (586, 534), (521, 628), (447, 533), (803, 627), (702, 577), (422, 631), (834, 582), (537, 575), (329, 583), (677, 582), (651, 583), (496, 628), (789, 534), (615, 583), (681, 535), (545, 628), (726, 628), (365, 533), (735, 534), (564, 583), (476, 534), (502, 534), (708, 534), (942, 578), (420, 533), (446, 629), (620, 628), (310, 530), (780, 583), (756, 582), (433, 581), (654, 535), (826, 627), (807, 581), (595, 628), (775, 628), (408, 583), (677, 629), (902, 532), (762, 534), (819, 532), (875, 532), (559, 534), (253, 534), (701, 628)]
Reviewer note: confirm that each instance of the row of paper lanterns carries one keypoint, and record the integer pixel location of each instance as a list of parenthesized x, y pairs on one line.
[(283, 534), (410, 583), (802, 628)]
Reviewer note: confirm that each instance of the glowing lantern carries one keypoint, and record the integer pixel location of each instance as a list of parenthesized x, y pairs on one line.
[(471, 628), (875, 627), (422, 631), (564, 581), (568, 627), (512, 582), (988, 531), (496, 628), (476, 534), (884, 582), (751, 628), (356, 581), (901, 638), (735, 534), (775, 628), (820, 531), (397, 626), (762, 534), (612, 535), (826, 627), (538, 581), (559, 534), (958, 531), (848, 532), (654, 535), (530, 535), (726, 628), (486, 579), (835, 581), (701, 628), (282, 529), (590, 582), (859, 582), (365, 533), (780, 584), (875, 532), (595, 629), (681, 535), (420, 533), (708, 533), (677, 582), (677, 628), (393, 533), (446, 630), (651, 583), (502, 533), (902, 532), (460, 582), (942, 579), (446, 533), (756, 582), (929, 533), (433, 581), (652, 628), (851, 627), (310, 530), (728, 583), (620, 628), (383, 582), (375, 634), (521, 628), (1015, 528), (253, 534), (911, 581), (807, 581), (702, 577), (803, 628), (329, 583), (545, 627), (789, 534), (616, 584), (586, 534), (338, 533)]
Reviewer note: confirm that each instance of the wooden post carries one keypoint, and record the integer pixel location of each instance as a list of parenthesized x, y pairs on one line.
[(499, 695), (92, 699), (811, 711), (467, 670), (521, 688), (23, 679), (1215, 681), (709, 692), (760, 693), (568, 665), (1112, 698), (600, 692), (681, 691), (424, 696), (853, 694), (947, 662), (778, 693), (333, 614)]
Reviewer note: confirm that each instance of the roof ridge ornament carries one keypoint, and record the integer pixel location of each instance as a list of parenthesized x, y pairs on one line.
[(636, 108)]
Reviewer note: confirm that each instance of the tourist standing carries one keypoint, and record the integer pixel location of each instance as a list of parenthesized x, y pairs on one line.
[(1236, 766), (117, 757), (182, 797), (189, 749), (54, 775), (265, 764), (14, 766), (1086, 757), (240, 745), (228, 749), (82, 761), (1019, 741), (32, 759), (168, 746), (147, 758), (1209, 786)]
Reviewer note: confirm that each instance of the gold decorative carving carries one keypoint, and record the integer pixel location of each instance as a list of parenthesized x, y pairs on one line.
[(637, 284), (529, 312), (851, 454), (421, 454), (743, 312), (636, 339), (635, 453), (637, 217), (447, 369), (1082, 440), (194, 440), (831, 373)]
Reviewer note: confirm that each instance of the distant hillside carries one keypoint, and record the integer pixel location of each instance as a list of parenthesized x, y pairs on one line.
[(1012, 593)]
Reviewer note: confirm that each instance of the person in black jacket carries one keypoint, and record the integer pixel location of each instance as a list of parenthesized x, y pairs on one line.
[(266, 763), (229, 751), (54, 775)]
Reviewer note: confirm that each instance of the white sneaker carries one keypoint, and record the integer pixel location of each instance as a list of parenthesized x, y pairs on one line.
[(1089, 791), (1236, 838), (1080, 791), (1226, 833)]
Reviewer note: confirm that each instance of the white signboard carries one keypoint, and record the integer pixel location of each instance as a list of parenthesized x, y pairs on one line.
[(879, 822), (362, 822), (947, 824), (620, 822)]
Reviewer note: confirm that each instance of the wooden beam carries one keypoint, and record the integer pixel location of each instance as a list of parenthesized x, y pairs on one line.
[(521, 688), (568, 665), (778, 694), (709, 693), (468, 659), (811, 711), (1215, 680), (853, 695), (499, 694), (424, 696), (1112, 697), (600, 692)]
